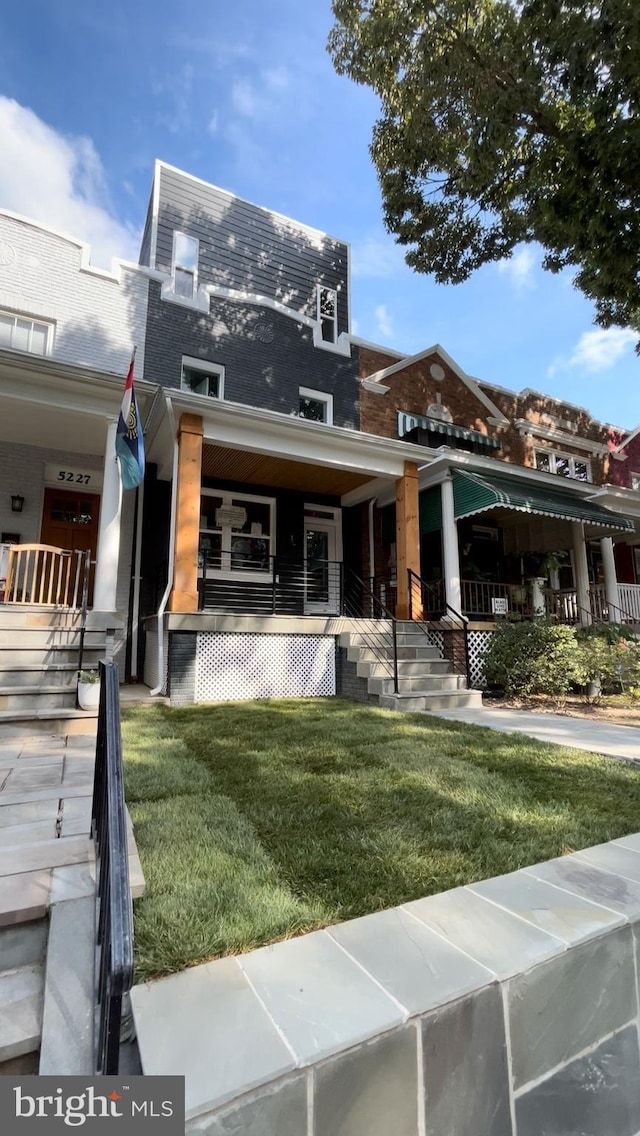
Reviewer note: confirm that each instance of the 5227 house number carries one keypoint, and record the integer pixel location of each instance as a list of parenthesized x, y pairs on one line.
[(76, 478)]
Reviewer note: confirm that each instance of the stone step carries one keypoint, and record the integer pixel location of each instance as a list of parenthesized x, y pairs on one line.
[(25, 675), (51, 723), (23, 654), (433, 700), (356, 654), (23, 944), (21, 999), (30, 615), (407, 668), (48, 637), (67, 1018), (431, 684), (44, 697)]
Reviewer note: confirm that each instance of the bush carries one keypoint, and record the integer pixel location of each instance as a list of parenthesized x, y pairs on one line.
[(534, 658), (611, 657)]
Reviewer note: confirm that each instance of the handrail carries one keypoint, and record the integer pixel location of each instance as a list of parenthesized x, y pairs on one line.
[(114, 939), (376, 605), (457, 615), (85, 604), (42, 575)]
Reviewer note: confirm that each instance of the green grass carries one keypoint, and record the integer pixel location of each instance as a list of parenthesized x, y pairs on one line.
[(256, 821)]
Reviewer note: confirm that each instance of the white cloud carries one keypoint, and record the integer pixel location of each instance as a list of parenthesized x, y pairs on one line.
[(376, 256), (244, 99), (596, 351), (60, 182), (384, 321), (212, 125), (276, 78), (519, 268)]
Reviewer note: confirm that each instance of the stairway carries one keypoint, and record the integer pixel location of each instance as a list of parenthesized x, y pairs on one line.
[(38, 670), (426, 680), (22, 954)]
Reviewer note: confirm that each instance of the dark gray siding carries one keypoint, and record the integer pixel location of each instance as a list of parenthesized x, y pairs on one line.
[(266, 356), (248, 248), (145, 247)]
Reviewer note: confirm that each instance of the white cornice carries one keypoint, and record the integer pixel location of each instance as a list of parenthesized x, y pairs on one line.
[(373, 387), (561, 437)]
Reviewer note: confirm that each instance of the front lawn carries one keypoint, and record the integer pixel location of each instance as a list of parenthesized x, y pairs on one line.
[(260, 820)]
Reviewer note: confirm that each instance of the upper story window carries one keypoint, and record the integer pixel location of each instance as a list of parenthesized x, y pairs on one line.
[(635, 481), (316, 405), (200, 377), (327, 300), (185, 265), (25, 334), (565, 465)]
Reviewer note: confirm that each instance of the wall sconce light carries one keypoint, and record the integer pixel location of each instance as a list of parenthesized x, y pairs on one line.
[(17, 501)]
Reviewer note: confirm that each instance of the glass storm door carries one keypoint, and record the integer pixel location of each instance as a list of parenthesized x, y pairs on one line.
[(322, 572)]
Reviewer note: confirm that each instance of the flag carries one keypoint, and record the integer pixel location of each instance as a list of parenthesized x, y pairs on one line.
[(129, 437)]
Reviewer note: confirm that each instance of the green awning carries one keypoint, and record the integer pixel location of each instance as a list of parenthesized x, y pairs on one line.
[(408, 422), (475, 493)]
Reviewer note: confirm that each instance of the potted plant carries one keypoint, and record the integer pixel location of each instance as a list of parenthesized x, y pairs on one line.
[(88, 690)]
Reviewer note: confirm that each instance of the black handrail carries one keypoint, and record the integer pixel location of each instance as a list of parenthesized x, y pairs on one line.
[(447, 607), (85, 604), (114, 939), (350, 578)]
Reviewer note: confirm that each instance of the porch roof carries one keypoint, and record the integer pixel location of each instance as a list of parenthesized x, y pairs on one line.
[(475, 493)]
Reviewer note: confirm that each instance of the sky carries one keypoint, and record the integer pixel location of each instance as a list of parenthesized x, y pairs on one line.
[(244, 95)]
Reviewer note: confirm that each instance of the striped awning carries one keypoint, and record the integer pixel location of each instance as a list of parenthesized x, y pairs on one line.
[(475, 493), (408, 422)]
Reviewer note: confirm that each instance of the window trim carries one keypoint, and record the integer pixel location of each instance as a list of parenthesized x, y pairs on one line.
[(227, 496), (48, 325), (320, 288), (571, 458), (174, 265), (207, 368), (317, 396)]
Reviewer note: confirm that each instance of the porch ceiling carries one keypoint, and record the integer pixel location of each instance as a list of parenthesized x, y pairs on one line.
[(278, 473)]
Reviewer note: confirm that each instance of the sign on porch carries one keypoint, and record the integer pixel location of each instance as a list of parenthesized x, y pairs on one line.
[(232, 515), (499, 605)]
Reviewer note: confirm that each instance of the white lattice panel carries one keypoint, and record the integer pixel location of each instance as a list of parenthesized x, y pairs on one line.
[(234, 667), (478, 645)]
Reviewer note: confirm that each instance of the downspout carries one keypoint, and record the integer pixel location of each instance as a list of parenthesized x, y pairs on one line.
[(372, 558), (137, 559), (172, 540)]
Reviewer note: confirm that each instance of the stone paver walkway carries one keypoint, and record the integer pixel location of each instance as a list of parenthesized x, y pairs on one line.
[(46, 854), (622, 742)]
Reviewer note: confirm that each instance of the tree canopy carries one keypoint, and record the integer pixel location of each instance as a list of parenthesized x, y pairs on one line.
[(505, 121)]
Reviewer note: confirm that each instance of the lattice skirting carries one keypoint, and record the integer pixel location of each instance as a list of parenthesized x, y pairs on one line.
[(478, 645), (232, 667)]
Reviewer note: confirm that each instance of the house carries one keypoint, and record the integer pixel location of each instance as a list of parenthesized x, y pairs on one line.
[(320, 514)]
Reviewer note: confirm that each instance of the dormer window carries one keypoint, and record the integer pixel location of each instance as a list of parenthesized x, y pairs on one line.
[(564, 465), (327, 300), (22, 334), (200, 377), (185, 265)]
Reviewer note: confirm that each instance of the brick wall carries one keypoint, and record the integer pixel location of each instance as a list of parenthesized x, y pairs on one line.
[(98, 316)]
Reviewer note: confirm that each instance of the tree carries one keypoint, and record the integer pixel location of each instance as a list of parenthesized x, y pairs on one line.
[(502, 122)]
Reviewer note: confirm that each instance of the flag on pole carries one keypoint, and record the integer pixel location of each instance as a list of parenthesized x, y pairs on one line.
[(129, 437)]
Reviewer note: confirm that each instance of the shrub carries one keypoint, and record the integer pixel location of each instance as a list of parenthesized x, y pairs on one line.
[(534, 658), (611, 657)]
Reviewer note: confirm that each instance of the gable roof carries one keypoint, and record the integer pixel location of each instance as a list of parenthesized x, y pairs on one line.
[(495, 417)]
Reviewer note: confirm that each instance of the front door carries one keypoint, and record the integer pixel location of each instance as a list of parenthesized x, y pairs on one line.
[(322, 570), (70, 520)]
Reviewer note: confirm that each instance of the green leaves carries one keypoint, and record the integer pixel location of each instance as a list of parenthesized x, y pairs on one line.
[(503, 123)]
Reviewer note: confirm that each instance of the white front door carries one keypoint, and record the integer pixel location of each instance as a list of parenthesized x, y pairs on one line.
[(322, 568)]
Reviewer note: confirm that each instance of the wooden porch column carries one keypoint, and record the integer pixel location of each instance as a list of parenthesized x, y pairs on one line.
[(184, 596), (407, 540)]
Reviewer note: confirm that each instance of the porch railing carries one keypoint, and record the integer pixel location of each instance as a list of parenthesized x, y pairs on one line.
[(43, 575), (630, 601), (272, 585), (360, 601), (448, 630), (562, 604), (114, 939), (479, 596)]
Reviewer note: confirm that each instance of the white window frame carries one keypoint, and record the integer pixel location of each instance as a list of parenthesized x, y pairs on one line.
[(174, 265), (571, 458), (635, 482), (320, 288), (318, 396), (227, 496), (34, 321), (207, 368)]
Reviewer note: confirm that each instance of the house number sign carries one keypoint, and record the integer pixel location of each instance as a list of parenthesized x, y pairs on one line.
[(72, 477)]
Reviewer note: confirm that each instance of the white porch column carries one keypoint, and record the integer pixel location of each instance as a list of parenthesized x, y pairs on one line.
[(108, 554), (450, 551), (611, 592), (581, 571)]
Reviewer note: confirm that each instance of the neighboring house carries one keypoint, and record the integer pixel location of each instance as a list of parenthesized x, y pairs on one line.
[(300, 482)]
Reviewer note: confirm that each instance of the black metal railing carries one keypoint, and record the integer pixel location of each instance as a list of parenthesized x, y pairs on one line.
[(270, 585), (360, 602), (114, 938), (452, 625), (84, 606)]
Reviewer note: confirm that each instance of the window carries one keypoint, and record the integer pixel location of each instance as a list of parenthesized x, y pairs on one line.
[(316, 406), (185, 265), (564, 465), (201, 377), (236, 534), (25, 334), (328, 313), (635, 481)]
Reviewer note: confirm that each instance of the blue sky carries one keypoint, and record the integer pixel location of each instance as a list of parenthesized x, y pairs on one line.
[(244, 95)]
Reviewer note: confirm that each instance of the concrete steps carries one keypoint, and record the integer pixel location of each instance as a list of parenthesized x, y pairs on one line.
[(433, 700), (56, 723), (31, 675), (22, 951), (47, 697)]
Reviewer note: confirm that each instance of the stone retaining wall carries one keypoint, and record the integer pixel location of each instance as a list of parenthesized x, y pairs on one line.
[(507, 1008)]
